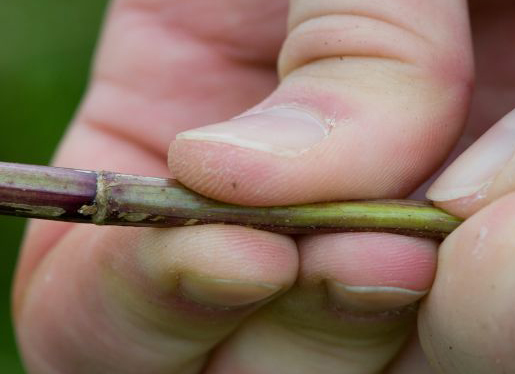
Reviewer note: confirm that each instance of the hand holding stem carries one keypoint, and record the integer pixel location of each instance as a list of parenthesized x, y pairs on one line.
[(372, 97)]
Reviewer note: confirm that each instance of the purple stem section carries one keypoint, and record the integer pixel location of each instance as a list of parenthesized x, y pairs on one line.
[(50, 193)]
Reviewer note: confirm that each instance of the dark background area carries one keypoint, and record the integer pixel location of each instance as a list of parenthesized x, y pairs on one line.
[(45, 52)]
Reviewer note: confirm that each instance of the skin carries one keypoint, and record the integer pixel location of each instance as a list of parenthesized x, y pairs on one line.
[(223, 299)]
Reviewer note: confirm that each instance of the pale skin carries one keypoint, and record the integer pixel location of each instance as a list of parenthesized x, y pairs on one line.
[(391, 92)]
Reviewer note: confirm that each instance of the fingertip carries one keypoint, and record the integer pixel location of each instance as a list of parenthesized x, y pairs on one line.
[(362, 259), (227, 255), (344, 166), (463, 207), (481, 174), (370, 271), (224, 172), (244, 176)]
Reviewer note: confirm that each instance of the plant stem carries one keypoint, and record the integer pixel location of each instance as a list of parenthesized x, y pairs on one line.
[(106, 198)]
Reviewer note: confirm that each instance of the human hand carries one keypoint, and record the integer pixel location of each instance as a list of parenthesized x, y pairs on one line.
[(467, 321), (466, 324), (373, 97)]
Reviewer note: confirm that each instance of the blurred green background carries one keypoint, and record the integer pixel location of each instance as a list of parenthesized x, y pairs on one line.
[(46, 48)]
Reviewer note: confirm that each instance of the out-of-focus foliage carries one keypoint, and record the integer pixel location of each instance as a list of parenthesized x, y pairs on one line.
[(45, 53)]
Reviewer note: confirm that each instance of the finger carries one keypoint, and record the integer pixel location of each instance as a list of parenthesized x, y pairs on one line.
[(482, 174), (371, 100), (124, 300), (350, 311), (466, 323)]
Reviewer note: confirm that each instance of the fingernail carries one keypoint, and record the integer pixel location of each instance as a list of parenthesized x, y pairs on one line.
[(475, 170), (284, 131), (370, 298), (225, 292)]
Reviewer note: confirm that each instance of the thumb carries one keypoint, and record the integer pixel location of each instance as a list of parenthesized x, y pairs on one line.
[(372, 98)]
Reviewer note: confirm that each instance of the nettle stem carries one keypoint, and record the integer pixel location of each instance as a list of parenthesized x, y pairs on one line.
[(106, 198)]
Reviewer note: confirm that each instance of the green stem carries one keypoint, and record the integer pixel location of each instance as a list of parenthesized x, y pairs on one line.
[(106, 198)]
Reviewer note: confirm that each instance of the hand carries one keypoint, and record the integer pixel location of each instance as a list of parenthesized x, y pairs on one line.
[(372, 98), (467, 321), (466, 324)]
